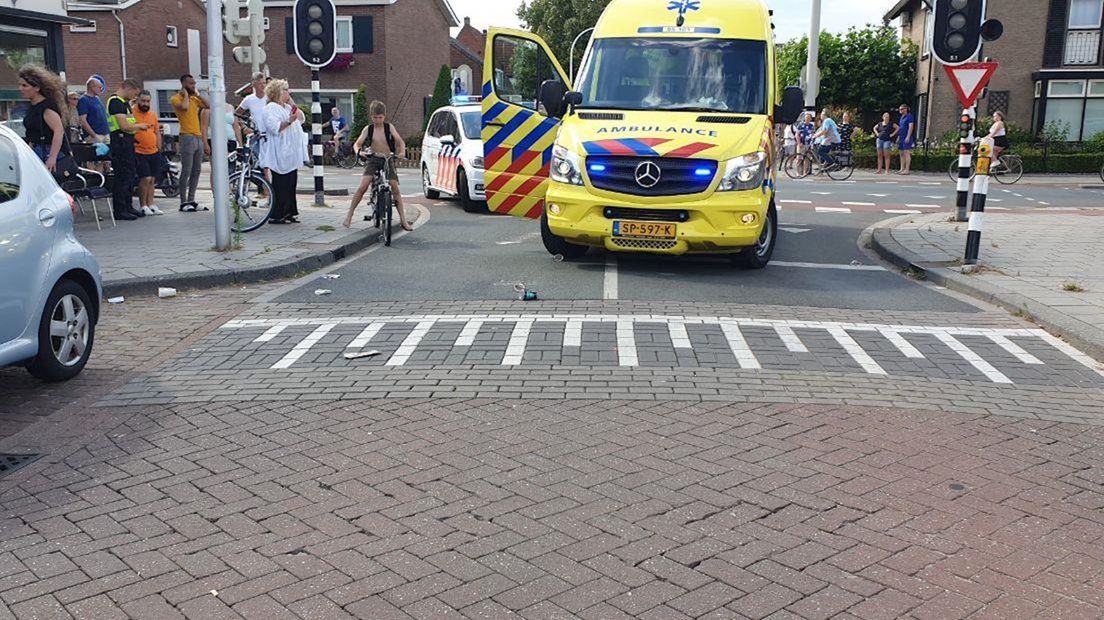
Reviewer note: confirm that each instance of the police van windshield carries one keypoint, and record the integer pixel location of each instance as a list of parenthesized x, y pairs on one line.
[(473, 123), (709, 75)]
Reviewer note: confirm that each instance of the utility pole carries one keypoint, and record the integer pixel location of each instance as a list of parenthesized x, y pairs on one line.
[(812, 67), (220, 173)]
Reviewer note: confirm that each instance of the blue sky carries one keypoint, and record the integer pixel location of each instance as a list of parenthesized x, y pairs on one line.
[(791, 17)]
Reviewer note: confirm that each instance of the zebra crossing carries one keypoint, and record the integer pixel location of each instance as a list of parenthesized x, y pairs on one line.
[(999, 355)]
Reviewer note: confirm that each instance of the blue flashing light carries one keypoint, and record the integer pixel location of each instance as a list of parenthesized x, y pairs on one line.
[(703, 172), (597, 167)]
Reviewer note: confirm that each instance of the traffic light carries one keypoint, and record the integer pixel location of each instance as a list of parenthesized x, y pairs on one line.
[(231, 13), (315, 28), (965, 127), (956, 36)]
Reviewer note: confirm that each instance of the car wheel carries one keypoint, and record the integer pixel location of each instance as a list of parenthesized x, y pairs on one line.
[(558, 245), (758, 255), (432, 194), (464, 192), (65, 334)]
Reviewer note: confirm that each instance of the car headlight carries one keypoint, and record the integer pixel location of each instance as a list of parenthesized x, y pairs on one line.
[(565, 166), (744, 173), (477, 162)]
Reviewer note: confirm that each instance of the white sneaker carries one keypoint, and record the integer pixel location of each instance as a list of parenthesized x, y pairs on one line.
[(147, 211), (155, 210)]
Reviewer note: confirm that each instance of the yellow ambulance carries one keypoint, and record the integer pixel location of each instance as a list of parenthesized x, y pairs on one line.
[(663, 142)]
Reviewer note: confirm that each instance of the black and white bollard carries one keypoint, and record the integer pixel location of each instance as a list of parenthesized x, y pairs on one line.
[(977, 209), (316, 138), (965, 146)]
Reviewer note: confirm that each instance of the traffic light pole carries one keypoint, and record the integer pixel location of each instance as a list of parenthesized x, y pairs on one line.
[(220, 173), (316, 138), (965, 151)]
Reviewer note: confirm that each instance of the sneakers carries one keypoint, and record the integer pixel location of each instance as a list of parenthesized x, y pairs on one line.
[(152, 210)]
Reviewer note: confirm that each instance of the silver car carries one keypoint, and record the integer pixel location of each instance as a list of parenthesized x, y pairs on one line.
[(50, 284)]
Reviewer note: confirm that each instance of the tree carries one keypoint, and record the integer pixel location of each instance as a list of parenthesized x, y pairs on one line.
[(361, 119), (872, 57), (442, 91), (558, 22)]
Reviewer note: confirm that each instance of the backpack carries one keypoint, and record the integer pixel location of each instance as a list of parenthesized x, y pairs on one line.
[(387, 134)]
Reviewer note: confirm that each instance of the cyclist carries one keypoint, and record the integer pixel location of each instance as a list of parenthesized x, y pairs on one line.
[(383, 139), (340, 129), (829, 135), (999, 133)]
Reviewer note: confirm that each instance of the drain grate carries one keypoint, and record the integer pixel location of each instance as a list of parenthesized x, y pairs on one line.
[(12, 462)]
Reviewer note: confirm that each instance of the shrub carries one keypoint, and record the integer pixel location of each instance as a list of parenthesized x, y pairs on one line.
[(1095, 143), (360, 112), (442, 92)]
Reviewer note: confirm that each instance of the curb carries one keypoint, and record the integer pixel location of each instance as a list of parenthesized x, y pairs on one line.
[(1084, 336), (303, 263)]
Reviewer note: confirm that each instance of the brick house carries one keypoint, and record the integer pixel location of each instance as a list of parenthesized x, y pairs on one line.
[(30, 32), (466, 56), (1051, 66), (394, 47)]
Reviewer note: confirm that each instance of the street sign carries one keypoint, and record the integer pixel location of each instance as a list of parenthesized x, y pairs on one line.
[(970, 79)]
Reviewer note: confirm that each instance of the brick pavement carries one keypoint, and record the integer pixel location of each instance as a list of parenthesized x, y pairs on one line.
[(1028, 259), (575, 509)]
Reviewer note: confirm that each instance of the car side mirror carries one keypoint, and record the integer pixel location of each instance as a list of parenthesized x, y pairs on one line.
[(572, 99), (551, 98), (793, 102)]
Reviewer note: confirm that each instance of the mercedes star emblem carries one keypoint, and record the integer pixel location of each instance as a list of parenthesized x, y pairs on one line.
[(647, 174)]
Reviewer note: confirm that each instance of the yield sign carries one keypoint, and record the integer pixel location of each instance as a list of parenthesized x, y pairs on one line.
[(970, 79)]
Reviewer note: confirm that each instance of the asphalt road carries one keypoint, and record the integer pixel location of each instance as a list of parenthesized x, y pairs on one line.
[(460, 256)]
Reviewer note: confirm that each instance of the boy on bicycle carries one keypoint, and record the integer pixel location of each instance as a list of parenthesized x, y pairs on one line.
[(383, 140)]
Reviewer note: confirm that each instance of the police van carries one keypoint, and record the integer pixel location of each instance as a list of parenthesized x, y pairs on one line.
[(663, 144), (452, 154)]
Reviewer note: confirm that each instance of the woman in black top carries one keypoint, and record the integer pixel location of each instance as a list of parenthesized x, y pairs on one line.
[(45, 131)]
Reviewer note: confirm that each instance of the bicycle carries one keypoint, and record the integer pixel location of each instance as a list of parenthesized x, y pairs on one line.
[(839, 167), (250, 193), (343, 156), (1008, 169), (382, 200)]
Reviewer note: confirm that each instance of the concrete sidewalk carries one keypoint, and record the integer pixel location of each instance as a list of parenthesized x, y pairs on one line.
[(177, 249), (1051, 180), (1045, 265)]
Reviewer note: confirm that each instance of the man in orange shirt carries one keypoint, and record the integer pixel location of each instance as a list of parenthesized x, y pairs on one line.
[(147, 148)]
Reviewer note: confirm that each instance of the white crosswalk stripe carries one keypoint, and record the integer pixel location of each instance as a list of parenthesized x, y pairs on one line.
[(626, 327)]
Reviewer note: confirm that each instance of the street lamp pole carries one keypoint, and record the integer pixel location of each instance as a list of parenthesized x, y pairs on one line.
[(220, 173), (812, 68)]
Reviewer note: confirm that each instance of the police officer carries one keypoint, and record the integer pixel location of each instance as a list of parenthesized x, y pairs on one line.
[(123, 161)]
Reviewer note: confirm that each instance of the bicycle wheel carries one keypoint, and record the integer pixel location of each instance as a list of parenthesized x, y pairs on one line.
[(348, 160), (1011, 169), (953, 171), (250, 202), (383, 213), (839, 173), (798, 167)]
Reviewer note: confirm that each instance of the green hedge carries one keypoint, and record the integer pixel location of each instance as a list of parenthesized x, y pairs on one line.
[(939, 160)]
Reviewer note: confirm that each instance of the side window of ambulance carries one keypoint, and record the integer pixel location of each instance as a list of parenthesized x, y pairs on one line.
[(9, 171), (520, 67)]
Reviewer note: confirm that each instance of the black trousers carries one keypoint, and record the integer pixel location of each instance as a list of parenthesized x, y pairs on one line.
[(124, 171), (283, 186)]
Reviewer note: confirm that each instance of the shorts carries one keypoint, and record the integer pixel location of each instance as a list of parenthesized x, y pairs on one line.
[(791, 149), (151, 166), (906, 146), (1001, 142), (375, 164), (885, 145)]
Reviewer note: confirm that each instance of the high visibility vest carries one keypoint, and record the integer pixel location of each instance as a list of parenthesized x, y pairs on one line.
[(112, 122)]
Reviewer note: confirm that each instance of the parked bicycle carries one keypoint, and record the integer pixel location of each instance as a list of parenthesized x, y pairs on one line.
[(250, 193), (839, 167), (343, 156), (1008, 169)]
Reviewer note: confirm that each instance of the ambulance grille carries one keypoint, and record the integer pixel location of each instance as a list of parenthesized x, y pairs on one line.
[(727, 120), (601, 116), (678, 176), (643, 244)]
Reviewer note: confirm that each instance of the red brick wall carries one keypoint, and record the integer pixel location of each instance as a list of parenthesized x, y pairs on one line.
[(417, 37), (472, 38), (148, 55)]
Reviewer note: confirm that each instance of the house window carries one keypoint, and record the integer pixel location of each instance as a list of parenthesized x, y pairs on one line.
[(1065, 107), (1094, 110), (344, 35), (998, 101), (929, 24), (1085, 13)]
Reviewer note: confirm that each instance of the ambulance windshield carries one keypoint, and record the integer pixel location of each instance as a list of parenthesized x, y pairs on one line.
[(663, 74)]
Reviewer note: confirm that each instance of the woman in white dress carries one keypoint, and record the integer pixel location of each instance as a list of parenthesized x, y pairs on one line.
[(282, 151)]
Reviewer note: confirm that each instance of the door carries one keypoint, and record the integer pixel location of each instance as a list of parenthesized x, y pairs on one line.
[(517, 135), (27, 234), (448, 157), (431, 146)]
